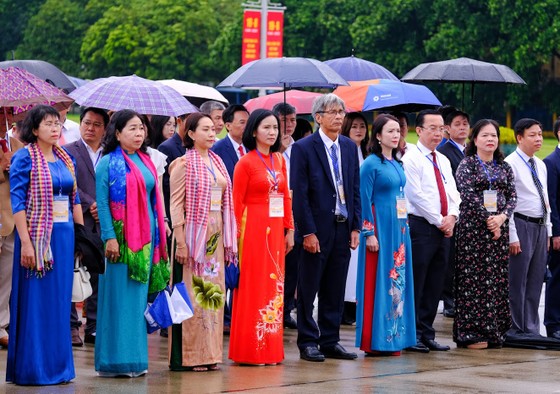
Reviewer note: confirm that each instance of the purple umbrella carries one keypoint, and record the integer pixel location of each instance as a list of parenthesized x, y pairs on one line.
[(355, 69), (135, 93)]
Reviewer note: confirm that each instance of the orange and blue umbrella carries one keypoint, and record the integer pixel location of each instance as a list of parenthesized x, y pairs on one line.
[(378, 94)]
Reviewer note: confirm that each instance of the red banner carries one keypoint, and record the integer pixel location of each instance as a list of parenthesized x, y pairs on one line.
[(251, 44), (274, 33)]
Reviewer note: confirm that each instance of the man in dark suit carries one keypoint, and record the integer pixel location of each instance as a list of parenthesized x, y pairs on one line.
[(172, 148), (87, 153), (324, 177), (230, 148), (552, 300), (458, 125)]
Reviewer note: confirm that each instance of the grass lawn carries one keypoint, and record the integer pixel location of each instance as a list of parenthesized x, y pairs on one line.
[(548, 144)]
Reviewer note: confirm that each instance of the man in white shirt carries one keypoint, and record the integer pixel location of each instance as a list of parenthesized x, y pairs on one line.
[(530, 229), (287, 115), (70, 129), (433, 208), (215, 109)]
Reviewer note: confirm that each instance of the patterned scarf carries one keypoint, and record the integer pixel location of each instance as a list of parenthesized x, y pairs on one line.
[(131, 220), (197, 207), (40, 203)]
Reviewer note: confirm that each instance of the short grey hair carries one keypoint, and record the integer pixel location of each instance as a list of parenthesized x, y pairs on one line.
[(209, 106), (322, 103)]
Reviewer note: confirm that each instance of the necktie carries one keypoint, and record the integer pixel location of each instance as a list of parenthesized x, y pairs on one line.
[(538, 184), (4, 145), (334, 158), (241, 151), (441, 188)]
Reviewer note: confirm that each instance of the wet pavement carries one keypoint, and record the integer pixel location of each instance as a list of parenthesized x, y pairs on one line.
[(458, 370)]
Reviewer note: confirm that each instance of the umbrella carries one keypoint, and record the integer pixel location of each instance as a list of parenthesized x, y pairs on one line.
[(463, 70), (355, 69), (301, 100), (379, 94), (284, 72), (44, 70), (195, 93), (20, 90), (135, 93)]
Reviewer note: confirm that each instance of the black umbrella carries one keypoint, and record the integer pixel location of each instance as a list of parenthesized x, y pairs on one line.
[(463, 70), (44, 70)]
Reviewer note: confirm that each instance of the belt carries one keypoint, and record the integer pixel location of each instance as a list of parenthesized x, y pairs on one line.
[(340, 218), (540, 221)]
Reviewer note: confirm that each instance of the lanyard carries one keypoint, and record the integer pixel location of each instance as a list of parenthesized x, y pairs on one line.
[(456, 145), (211, 169), (271, 168), (536, 176), (59, 177), (398, 172), (286, 155), (490, 179), (434, 163)]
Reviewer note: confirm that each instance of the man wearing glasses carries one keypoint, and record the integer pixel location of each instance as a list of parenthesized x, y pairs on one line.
[(433, 208), (324, 176)]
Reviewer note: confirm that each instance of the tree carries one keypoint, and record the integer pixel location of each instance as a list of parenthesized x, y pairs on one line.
[(13, 22)]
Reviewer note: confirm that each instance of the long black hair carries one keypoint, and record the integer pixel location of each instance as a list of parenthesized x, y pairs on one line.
[(470, 150), (117, 123), (376, 129), (347, 126), (255, 119)]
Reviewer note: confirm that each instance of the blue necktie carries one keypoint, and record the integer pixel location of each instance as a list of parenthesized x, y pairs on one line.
[(334, 158)]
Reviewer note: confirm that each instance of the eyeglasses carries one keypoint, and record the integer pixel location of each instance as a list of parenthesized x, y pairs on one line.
[(433, 129), (87, 123), (333, 112)]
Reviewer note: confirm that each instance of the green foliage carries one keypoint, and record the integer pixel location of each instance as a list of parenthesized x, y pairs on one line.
[(14, 19)]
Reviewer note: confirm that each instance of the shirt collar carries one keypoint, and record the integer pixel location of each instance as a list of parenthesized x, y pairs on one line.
[(90, 149), (234, 143), (425, 151), (326, 140), (523, 154)]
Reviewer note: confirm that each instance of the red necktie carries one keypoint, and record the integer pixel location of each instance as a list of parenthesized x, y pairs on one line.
[(4, 145), (441, 188), (241, 151)]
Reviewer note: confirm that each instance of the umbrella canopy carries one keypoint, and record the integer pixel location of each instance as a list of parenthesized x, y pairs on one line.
[(135, 93), (301, 100), (19, 87), (355, 69), (44, 70), (379, 94), (285, 72), (195, 93), (463, 69)]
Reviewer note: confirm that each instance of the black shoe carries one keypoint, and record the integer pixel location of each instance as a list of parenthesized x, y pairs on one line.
[(289, 322), (450, 312), (311, 353), (163, 333), (433, 345), (349, 313), (555, 335), (90, 338), (418, 348), (338, 352)]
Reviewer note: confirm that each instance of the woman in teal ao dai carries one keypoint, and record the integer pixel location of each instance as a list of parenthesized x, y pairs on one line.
[(132, 227), (385, 320)]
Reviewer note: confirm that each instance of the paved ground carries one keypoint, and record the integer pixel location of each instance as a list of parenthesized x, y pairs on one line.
[(459, 370)]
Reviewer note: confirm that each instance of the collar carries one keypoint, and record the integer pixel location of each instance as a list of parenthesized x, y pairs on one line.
[(523, 154), (425, 151), (459, 146), (235, 144), (327, 141), (90, 149)]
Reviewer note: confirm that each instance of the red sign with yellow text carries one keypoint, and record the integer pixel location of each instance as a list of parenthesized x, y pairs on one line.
[(274, 33), (251, 42)]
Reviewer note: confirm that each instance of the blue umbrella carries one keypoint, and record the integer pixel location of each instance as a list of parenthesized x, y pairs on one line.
[(284, 72), (379, 94), (355, 69)]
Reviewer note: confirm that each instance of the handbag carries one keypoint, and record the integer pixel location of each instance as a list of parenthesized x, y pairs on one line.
[(81, 287), (169, 307)]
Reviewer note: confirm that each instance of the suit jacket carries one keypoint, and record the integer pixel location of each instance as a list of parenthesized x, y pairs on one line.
[(453, 154), (173, 148), (6, 216), (552, 162), (224, 149), (85, 177), (314, 193)]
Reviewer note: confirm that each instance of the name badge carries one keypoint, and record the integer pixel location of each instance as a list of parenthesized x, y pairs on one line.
[(491, 200), (276, 205), (60, 209), (341, 193), (401, 208), (215, 198)]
